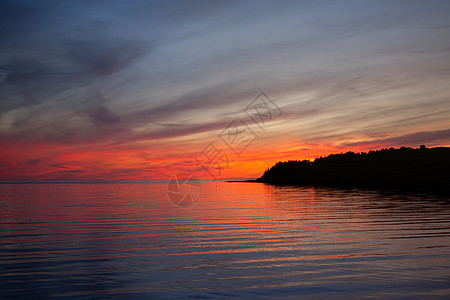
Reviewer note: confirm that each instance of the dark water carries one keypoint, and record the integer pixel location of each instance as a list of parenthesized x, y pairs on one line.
[(246, 240)]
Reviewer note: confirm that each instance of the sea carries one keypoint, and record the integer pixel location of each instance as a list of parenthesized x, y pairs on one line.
[(245, 240)]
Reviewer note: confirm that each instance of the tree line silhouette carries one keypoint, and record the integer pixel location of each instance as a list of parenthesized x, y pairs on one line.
[(404, 167)]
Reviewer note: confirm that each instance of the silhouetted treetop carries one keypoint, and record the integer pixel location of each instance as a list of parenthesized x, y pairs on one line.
[(403, 167)]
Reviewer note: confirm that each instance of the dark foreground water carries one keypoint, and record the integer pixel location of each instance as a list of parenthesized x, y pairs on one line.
[(246, 240)]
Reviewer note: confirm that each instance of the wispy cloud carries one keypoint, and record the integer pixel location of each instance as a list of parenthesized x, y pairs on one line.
[(437, 137), (142, 76)]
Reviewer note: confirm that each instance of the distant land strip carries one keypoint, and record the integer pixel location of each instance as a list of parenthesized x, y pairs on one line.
[(412, 168)]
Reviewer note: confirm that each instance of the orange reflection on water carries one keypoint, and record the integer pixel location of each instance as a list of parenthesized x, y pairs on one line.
[(247, 234)]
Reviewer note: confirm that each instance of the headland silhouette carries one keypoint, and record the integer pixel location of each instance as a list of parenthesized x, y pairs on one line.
[(397, 168)]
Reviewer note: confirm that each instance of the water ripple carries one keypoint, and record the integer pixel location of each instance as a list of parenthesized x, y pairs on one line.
[(241, 240)]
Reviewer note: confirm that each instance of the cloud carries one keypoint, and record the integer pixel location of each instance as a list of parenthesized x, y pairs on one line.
[(102, 116), (437, 137), (33, 161), (100, 56), (129, 75), (58, 166)]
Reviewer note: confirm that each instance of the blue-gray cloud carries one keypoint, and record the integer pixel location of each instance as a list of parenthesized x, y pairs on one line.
[(158, 62), (413, 139)]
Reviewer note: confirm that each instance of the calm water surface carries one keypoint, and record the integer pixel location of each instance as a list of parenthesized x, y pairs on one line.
[(246, 240)]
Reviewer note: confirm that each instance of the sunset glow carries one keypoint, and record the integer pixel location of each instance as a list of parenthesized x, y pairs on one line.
[(136, 91)]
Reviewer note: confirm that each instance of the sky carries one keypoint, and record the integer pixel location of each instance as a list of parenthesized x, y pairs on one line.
[(141, 90)]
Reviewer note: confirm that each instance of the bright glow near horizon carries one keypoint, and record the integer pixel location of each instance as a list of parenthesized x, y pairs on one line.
[(134, 89)]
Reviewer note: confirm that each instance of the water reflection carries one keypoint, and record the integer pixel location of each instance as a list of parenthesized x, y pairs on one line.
[(240, 240)]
